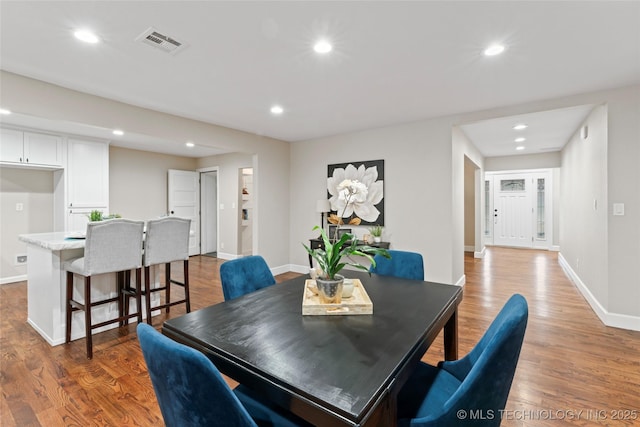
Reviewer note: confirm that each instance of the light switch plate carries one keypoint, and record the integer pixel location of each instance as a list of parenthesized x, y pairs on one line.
[(618, 209)]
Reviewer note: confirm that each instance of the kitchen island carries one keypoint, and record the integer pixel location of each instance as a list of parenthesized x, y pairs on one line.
[(46, 287)]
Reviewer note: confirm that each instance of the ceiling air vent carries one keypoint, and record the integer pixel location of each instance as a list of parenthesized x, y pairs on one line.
[(154, 38)]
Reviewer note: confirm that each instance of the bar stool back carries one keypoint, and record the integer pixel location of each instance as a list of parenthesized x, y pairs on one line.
[(113, 246), (166, 241)]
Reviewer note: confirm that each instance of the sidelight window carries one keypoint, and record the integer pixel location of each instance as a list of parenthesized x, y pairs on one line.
[(540, 225)]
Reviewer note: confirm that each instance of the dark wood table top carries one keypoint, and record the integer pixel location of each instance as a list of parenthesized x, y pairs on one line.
[(333, 370)]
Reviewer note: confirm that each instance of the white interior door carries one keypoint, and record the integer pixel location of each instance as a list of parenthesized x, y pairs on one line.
[(209, 209), (184, 202), (512, 211)]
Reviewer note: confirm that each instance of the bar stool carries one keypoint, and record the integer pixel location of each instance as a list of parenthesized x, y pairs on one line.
[(166, 241), (113, 246)]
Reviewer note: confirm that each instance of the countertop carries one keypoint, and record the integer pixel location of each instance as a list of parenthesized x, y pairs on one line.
[(57, 241)]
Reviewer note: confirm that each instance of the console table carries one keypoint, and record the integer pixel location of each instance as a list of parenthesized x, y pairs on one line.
[(317, 243)]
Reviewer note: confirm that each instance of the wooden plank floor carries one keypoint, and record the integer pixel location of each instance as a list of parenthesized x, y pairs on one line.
[(570, 362)]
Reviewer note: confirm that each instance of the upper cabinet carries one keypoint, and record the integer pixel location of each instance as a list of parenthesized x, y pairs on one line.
[(30, 149), (87, 174)]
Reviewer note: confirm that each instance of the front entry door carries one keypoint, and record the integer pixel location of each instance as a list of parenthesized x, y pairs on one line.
[(512, 211)]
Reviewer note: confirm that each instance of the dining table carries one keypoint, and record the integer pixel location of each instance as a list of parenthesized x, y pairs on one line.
[(331, 370)]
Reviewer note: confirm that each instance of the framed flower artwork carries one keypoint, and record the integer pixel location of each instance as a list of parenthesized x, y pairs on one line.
[(356, 193)]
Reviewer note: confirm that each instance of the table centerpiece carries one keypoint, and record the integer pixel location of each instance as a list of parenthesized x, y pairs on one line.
[(333, 257)]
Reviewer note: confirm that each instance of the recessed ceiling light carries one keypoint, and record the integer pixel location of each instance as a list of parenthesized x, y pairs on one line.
[(190, 144), (118, 132), (521, 139), (5, 112), (520, 126), (276, 109), (323, 46), (520, 147), (86, 36), (493, 50)]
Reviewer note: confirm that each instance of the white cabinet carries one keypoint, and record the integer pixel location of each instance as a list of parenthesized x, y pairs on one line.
[(87, 178), (30, 148)]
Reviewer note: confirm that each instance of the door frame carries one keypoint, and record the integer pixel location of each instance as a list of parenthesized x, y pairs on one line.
[(546, 173), (203, 206)]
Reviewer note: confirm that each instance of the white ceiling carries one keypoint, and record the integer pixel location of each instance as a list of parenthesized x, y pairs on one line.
[(546, 131), (392, 62)]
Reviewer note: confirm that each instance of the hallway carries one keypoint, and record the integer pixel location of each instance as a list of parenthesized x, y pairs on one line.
[(570, 361)]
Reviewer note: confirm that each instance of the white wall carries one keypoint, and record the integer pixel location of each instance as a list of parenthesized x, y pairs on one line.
[(138, 181), (229, 166), (600, 249), (525, 161), (417, 188), (583, 207), (623, 186), (34, 190)]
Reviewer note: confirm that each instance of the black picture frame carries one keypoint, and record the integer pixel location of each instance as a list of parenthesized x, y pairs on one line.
[(379, 165)]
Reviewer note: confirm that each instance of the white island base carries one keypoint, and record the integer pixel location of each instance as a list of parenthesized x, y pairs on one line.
[(46, 288)]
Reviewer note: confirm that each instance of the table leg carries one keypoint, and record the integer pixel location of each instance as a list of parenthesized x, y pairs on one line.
[(451, 337)]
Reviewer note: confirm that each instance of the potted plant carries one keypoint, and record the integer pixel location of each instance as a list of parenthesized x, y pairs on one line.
[(333, 257), (95, 215), (376, 232)]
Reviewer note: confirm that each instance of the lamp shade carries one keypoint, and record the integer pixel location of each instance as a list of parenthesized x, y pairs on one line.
[(323, 205)]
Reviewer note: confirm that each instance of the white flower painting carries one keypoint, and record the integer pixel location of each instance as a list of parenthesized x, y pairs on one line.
[(356, 193)]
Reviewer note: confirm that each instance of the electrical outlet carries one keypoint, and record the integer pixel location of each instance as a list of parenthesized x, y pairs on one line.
[(221, 245), (21, 259)]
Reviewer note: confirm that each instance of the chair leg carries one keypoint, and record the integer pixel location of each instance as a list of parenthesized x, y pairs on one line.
[(123, 301), (186, 286), (139, 293), (147, 293), (167, 283), (69, 308), (87, 316)]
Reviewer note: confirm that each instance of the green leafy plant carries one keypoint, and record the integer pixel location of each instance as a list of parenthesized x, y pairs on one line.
[(376, 231), (331, 258), (95, 215)]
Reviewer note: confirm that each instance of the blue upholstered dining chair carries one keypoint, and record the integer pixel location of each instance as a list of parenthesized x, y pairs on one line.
[(243, 275), (192, 392), (406, 265), (474, 389)]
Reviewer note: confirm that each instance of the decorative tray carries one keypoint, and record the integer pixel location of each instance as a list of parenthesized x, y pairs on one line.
[(358, 303)]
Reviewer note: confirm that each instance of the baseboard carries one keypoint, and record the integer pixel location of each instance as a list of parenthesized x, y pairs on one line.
[(223, 255), (46, 337), (554, 248), (480, 254), (616, 320), (283, 269), (461, 281), (469, 248), (13, 279), (296, 268)]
